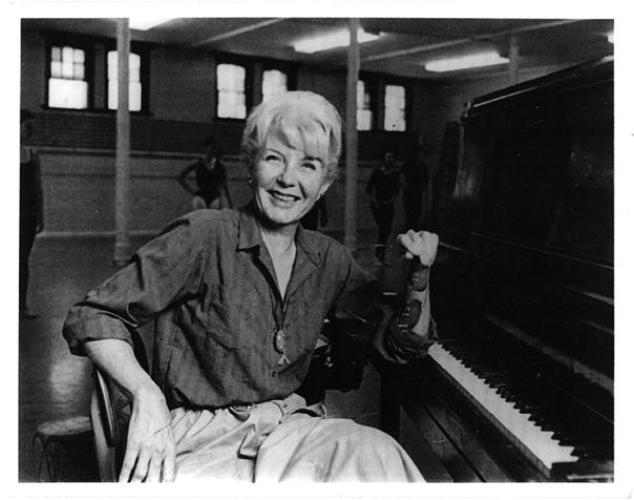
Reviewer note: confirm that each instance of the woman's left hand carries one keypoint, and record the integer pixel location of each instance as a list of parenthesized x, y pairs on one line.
[(421, 244)]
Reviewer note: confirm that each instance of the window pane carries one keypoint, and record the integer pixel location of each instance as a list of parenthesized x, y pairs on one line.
[(112, 94), (56, 54), (67, 54), (395, 108), (78, 73), (230, 77), (135, 63), (274, 82), (231, 96), (56, 69), (135, 96), (67, 93), (394, 120), (67, 68), (134, 66), (364, 107), (360, 94), (135, 92), (364, 119), (78, 56), (112, 64)]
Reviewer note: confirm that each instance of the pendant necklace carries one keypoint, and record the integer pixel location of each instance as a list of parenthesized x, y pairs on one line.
[(279, 339)]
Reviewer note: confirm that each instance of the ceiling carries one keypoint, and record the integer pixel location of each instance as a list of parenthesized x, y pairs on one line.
[(406, 44)]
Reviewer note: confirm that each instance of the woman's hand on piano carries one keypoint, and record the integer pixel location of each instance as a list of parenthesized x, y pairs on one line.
[(421, 244)]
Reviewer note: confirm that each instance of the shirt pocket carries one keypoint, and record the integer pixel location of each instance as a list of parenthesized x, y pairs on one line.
[(309, 320), (232, 315)]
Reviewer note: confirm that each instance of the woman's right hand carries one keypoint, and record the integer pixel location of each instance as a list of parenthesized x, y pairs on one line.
[(150, 454)]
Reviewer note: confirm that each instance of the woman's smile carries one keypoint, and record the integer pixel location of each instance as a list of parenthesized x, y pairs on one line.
[(286, 199)]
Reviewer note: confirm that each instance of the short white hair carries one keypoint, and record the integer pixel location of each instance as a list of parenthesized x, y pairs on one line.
[(304, 118)]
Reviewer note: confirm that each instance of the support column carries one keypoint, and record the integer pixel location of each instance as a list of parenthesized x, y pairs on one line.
[(350, 222), (122, 160), (514, 56)]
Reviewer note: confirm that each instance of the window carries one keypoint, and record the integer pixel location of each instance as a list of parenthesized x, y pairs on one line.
[(67, 85), (231, 80), (274, 82), (394, 108), (135, 86), (364, 107)]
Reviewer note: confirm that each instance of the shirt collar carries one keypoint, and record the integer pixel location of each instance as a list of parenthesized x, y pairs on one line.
[(249, 235)]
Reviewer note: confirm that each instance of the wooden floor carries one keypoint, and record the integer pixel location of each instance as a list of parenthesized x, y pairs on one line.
[(54, 384)]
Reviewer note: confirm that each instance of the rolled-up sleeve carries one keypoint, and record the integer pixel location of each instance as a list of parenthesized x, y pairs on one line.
[(359, 298), (162, 271)]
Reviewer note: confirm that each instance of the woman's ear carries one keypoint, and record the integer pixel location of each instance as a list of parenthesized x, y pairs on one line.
[(324, 187)]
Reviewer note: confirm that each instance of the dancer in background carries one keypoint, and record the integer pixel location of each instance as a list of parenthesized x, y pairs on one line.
[(383, 187), (31, 206), (210, 189), (415, 184)]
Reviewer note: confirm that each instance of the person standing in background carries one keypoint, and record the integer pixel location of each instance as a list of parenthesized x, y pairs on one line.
[(383, 187), (31, 206), (211, 189), (415, 178)]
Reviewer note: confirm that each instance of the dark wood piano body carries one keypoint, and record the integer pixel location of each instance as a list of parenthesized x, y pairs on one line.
[(524, 279)]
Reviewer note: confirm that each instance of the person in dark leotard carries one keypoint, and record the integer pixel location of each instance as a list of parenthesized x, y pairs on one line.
[(31, 206), (382, 188), (210, 190)]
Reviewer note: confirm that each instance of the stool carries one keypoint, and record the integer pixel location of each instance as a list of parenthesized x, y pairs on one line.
[(56, 438)]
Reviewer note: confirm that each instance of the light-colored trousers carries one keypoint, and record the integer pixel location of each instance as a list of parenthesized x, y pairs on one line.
[(283, 440)]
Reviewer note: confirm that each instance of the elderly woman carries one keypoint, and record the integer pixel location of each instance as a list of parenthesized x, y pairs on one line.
[(241, 297)]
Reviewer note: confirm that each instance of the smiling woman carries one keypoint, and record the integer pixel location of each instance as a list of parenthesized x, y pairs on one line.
[(292, 146), (243, 296)]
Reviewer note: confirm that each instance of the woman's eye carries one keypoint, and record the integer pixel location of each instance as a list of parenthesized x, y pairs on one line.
[(272, 158), (310, 166)]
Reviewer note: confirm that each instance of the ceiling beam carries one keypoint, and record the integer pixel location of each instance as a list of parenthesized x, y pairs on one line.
[(460, 41), (238, 31)]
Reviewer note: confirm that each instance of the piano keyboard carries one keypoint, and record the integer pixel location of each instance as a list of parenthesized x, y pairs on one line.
[(495, 398)]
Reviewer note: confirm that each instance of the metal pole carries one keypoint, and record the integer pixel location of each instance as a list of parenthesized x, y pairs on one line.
[(350, 225), (122, 160), (514, 54)]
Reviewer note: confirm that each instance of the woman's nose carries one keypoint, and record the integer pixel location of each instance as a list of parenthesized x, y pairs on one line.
[(288, 176)]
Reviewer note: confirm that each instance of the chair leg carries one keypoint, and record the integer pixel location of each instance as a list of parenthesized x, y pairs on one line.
[(105, 454)]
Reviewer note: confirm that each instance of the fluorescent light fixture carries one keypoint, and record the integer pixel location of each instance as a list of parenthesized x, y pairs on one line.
[(478, 60), (331, 40), (146, 23), (610, 36)]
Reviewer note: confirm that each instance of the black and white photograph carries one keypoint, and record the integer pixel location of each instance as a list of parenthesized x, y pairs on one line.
[(376, 250)]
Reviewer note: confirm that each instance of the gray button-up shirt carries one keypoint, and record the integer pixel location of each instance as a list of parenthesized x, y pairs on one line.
[(209, 281)]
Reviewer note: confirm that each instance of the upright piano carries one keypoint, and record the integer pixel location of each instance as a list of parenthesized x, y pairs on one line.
[(520, 385)]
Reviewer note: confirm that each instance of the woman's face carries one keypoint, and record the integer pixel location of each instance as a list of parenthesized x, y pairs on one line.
[(287, 181)]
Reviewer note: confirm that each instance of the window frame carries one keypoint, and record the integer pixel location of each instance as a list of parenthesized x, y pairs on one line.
[(55, 39), (289, 69), (408, 102), (371, 83), (143, 51), (247, 64)]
